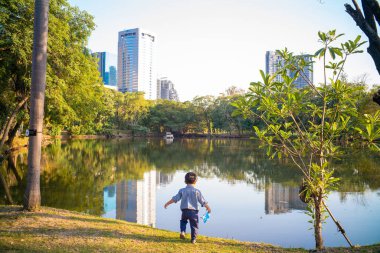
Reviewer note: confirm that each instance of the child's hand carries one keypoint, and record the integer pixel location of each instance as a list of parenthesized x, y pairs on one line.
[(208, 208), (168, 203)]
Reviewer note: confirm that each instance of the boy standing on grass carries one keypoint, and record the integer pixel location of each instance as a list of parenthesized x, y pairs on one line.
[(189, 196)]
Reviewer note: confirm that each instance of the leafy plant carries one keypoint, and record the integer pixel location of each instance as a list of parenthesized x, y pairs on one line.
[(370, 130), (305, 124)]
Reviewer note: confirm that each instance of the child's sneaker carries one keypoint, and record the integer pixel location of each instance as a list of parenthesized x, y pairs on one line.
[(193, 241), (182, 235)]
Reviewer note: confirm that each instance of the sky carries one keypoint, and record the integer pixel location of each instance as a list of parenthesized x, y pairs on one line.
[(206, 46)]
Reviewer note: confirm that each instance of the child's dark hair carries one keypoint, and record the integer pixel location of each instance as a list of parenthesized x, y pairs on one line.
[(190, 178)]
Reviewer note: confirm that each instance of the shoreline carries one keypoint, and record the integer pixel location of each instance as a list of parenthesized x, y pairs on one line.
[(22, 142)]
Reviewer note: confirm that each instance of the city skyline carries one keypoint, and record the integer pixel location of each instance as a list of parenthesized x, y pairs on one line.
[(206, 47)]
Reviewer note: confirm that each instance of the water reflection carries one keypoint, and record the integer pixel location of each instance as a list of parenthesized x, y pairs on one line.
[(282, 199), (131, 180), (135, 200), (132, 200)]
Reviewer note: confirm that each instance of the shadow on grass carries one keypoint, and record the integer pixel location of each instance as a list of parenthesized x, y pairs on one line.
[(14, 212), (88, 233)]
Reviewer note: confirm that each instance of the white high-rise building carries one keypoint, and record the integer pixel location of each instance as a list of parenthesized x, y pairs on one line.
[(274, 62), (166, 90), (136, 62)]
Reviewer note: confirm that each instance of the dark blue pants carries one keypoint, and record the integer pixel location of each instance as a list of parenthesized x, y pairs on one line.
[(192, 216)]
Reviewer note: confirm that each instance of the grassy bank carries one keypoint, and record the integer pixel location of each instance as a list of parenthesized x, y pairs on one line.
[(55, 230)]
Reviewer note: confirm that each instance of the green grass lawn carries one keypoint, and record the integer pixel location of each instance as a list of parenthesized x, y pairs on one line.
[(55, 230)]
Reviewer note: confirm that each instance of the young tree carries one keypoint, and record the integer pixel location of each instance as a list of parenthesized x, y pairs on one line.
[(301, 129), (32, 197)]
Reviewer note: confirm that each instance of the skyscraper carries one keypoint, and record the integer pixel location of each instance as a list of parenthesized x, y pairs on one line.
[(165, 90), (274, 62), (107, 63), (136, 62)]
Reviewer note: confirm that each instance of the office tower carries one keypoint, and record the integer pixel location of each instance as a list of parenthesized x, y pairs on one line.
[(107, 64), (136, 62), (274, 62), (132, 200), (165, 90)]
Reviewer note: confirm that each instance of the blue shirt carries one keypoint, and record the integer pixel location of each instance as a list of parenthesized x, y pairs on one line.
[(190, 197)]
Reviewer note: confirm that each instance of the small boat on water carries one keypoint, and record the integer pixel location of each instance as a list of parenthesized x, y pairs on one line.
[(168, 135)]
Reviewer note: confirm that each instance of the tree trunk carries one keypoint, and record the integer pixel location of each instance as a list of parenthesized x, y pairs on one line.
[(32, 196), (13, 132), (6, 189), (318, 223), (366, 20), (208, 128), (8, 123), (12, 166)]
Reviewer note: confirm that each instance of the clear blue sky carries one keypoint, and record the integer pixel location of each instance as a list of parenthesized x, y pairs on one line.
[(205, 46)]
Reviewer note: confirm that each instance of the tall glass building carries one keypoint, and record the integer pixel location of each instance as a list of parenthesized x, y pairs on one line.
[(274, 62), (107, 66), (136, 62)]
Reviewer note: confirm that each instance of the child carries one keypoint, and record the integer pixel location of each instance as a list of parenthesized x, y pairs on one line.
[(189, 196)]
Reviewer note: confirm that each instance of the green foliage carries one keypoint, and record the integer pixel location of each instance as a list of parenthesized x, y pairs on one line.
[(370, 130), (306, 124)]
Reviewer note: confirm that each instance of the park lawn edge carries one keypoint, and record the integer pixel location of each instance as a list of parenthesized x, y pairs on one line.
[(57, 230)]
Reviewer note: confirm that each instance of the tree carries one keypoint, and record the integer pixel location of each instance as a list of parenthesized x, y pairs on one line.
[(304, 131), (366, 19), (71, 70), (204, 106), (32, 197)]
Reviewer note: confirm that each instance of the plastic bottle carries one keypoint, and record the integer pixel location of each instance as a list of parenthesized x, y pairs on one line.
[(205, 217)]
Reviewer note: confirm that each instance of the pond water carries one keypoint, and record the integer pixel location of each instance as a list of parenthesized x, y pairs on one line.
[(252, 198)]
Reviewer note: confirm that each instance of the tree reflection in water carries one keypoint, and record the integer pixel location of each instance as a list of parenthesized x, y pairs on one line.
[(76, 174)]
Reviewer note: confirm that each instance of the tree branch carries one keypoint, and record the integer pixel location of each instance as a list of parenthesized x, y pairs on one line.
[(369, 15), (375, 8), (358, 17), (368, 26)]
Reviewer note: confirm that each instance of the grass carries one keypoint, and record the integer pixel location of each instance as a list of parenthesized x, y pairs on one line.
[(55, 230)]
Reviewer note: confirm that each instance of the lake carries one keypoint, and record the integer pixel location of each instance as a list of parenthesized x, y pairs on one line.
[(252, 197)]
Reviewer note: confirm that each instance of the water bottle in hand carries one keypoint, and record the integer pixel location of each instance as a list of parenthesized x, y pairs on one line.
[(205, 217)]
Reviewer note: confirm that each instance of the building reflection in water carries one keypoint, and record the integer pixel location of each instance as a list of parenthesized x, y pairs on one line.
[(132, 200), (135, 200), (282, 199)]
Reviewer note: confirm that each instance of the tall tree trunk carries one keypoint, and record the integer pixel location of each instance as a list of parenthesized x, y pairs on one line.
[(32, 196), (318, 222)]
